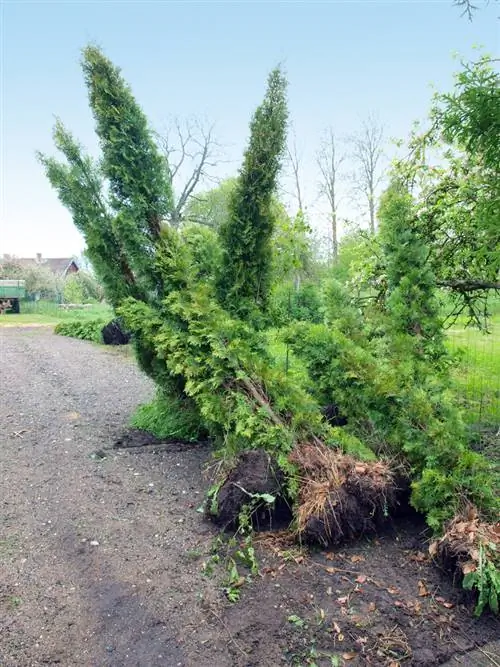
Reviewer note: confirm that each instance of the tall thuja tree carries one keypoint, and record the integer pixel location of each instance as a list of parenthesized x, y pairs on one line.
[(124, 231), (140, 188), (411, 303), (424, 420), (79, 184), (245, 276)]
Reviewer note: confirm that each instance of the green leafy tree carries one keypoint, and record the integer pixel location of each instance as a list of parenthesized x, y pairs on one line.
[(454, 170), (73, 290)]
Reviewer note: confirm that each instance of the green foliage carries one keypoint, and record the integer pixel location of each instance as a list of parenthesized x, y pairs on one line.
[(91, 288), (73, 290), (290, 302), (355, 247), (204, 249), (485, 579), (169, 418), (86, 330), (244, 280), (196, 301), (79, 184), (454, 168), (141, 193), (211, 208), (395, 389)]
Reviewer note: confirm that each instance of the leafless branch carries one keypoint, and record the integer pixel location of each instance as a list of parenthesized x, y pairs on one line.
[(294, 160), (367, 152), (190, 148), (329, 164)]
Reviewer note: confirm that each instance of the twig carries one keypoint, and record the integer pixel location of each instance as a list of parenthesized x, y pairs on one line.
[(489, 657), (231, 638)]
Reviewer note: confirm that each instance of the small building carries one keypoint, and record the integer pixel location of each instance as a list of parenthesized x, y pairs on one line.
[(61, 267)]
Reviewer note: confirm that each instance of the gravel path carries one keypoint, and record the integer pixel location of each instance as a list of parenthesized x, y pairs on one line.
[(101, 558), (96, 564)]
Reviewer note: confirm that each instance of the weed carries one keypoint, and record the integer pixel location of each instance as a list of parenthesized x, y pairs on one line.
[(486, 580)]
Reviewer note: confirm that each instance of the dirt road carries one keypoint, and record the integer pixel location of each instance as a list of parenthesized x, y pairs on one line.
[(101, 549)]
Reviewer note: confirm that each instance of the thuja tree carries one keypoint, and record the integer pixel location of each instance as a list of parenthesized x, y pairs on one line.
[(245, 277), (199, 336), (119, 204), (197, 342)]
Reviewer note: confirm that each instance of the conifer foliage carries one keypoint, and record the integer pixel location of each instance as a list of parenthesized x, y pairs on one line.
[(197, 329)]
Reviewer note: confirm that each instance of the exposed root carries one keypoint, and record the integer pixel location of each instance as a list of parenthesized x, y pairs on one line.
[(340, 498), (255, 474), (459, 548)]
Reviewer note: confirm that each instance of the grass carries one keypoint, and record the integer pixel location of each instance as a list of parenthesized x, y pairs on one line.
[(478, 372), (47, 312)]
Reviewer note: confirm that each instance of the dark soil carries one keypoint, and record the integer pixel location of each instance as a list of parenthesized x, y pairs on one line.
[(103, 551), (255, 474)]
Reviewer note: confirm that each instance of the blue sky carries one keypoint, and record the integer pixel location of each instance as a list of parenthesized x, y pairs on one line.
[(344, 60)]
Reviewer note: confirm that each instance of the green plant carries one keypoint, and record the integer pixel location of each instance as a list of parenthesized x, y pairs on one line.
[(486, 580), (73, 290), (86, 330), (169, 417)]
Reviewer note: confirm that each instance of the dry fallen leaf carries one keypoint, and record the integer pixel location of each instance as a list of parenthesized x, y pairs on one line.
[(343, 599), (361, 579), (330, 556), (336, 627), (357, 559), (422, 590), (419, 557), (372, 606), (394, 664), (349, 656), (468, 567), (433, 548), (331, 570), (445, 603), (393, 590), (417, 607), (398, 603)]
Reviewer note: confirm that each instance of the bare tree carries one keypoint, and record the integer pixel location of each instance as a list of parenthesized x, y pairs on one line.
[(294, 160), (329, 163), (367, 153), (468, 7), (191, 152)]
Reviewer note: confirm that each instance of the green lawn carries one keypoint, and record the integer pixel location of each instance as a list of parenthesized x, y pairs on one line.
[(48, 313), (478, 373)]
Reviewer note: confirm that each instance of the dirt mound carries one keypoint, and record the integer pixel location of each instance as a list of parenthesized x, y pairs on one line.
[(340, 498), (114, 333), (255, 477)]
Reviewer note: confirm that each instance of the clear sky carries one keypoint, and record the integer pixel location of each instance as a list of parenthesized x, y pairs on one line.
[(344, 60)]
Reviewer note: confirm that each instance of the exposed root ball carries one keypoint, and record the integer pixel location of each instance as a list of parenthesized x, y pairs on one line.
[(254, 474), (114, 333), (459, 549), (340, 498)]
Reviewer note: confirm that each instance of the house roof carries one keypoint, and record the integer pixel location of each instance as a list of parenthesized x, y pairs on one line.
[(58, 265)]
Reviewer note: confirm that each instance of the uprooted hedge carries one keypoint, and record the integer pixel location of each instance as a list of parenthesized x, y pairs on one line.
[(201, 337)]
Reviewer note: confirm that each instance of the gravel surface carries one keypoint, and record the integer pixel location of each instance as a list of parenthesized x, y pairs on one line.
[(101, 549), (95, 564)]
